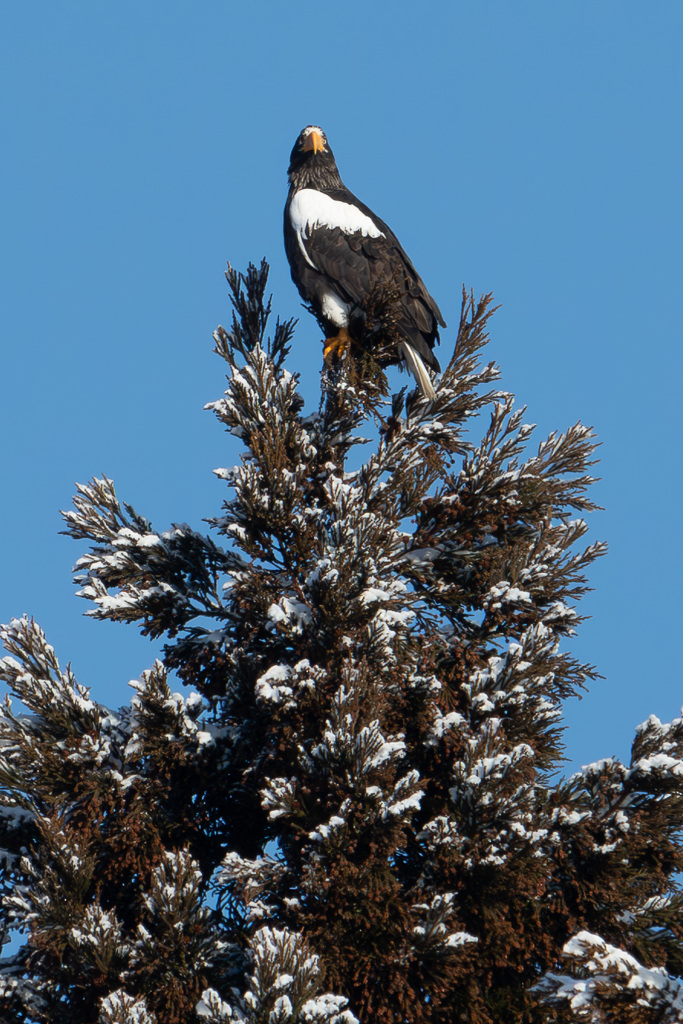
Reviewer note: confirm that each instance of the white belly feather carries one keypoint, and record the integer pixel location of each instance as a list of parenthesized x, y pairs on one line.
[(335, 309)]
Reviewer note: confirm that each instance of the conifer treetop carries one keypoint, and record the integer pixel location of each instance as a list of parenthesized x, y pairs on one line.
[(355, 810)]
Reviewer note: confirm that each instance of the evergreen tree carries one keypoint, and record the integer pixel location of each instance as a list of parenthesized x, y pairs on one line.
[(355, 813)]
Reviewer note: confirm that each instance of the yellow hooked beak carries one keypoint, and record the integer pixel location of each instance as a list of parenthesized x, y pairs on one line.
[(314, 142)]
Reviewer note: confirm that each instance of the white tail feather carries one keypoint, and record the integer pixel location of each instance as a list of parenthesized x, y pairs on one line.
[(418, 370)]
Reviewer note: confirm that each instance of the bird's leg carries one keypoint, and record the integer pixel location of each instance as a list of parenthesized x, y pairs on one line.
[(336, 346)]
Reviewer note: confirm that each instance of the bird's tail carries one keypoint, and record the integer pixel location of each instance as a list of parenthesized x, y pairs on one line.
[(418, 370)]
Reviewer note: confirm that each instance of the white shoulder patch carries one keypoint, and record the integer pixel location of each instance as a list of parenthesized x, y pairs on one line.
[(311, 209)]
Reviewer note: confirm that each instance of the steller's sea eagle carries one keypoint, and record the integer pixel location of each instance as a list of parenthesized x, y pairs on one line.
[(342, 257)]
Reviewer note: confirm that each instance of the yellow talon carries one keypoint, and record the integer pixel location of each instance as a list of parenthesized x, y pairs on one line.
[(336, 346)]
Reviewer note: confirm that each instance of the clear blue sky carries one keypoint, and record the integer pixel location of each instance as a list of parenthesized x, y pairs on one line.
[(532, 149)]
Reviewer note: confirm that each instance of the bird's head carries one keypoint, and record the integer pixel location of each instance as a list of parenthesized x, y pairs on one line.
[(312, 161)]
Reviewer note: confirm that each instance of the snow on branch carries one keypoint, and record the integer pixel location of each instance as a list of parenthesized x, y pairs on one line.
[(608, 984), (136, 574), (284, 987), (284, 984), (120, 1008)]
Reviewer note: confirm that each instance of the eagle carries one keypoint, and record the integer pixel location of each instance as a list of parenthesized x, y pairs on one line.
[(342, 256)]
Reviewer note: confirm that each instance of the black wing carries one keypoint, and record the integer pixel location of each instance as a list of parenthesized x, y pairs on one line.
[(356, 266)]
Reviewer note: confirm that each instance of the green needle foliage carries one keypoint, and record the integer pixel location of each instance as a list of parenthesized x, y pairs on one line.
[(355, 811)]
